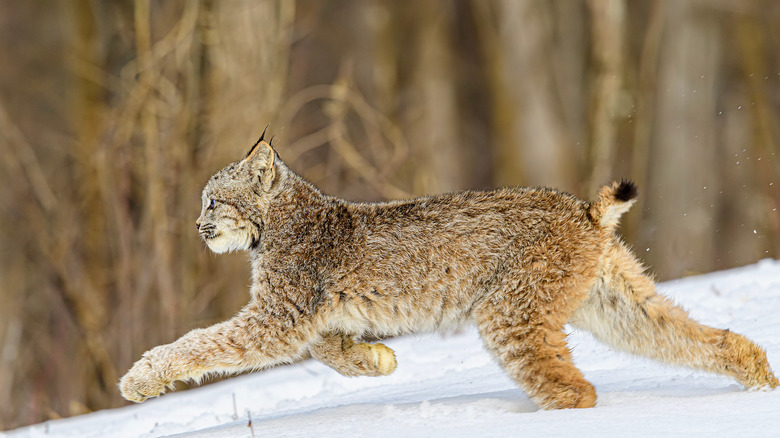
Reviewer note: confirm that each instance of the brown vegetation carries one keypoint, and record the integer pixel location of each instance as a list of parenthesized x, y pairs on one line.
[(113, 114)]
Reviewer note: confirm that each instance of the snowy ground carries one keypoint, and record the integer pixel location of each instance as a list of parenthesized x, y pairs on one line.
[(448, 386)]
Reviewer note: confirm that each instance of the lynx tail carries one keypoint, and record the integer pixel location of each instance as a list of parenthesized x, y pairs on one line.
[(613, 200)]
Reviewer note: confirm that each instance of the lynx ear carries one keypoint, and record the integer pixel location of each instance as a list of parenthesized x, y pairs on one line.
[(260, 163), (259, 140)]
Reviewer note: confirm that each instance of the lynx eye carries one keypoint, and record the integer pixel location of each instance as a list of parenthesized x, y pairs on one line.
[(212, 204)]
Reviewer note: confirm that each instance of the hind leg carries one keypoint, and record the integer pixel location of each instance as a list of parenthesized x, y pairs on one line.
[(532, 350), (341, 353), (624, 311)]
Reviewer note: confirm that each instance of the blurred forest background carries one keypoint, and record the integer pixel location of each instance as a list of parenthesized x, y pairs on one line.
[(113, 114)]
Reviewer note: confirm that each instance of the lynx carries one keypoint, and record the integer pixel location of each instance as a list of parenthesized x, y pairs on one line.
[(517, 262)]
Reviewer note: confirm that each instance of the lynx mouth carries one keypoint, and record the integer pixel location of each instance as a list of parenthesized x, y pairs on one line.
[(209, 231), (210, 235)]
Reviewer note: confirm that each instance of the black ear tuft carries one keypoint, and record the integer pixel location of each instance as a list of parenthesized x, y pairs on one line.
[(262, 137), (626, 190)]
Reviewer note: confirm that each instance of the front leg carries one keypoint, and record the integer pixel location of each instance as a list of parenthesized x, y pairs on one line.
[(253, 339), (341, 353)]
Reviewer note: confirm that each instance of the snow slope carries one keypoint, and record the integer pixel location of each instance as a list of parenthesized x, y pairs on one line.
[(449, 386)]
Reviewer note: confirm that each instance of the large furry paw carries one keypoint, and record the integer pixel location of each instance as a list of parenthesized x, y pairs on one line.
[(141, 382), (341, 353), (747, 362), (384, 358), (758, 375), (578, 395)]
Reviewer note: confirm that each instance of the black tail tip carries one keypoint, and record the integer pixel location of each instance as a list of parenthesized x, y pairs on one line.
[(626, 190)]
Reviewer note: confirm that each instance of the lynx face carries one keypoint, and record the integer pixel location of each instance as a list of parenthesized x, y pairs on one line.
[(224, 229), (246, 184)]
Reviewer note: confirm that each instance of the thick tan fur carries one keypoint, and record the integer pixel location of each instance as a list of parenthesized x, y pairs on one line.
[(519, 263)]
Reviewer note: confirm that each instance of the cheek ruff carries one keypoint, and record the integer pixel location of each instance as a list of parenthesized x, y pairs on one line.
[(229, 241)]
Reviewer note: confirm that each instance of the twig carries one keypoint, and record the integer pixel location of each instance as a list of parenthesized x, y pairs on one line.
[(24, 154)]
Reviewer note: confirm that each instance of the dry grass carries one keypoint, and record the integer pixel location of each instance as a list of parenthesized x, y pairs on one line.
[(113, 115)]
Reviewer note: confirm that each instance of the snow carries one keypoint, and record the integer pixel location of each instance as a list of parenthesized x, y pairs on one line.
[(449, 386)]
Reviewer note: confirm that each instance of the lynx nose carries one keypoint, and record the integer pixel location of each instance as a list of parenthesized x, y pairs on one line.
[(197, 224)]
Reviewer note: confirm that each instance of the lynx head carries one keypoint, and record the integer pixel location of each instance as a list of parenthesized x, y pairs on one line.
[(234, 200)]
